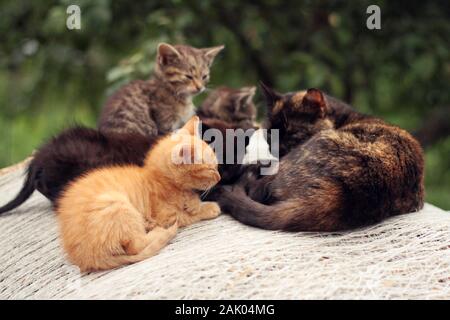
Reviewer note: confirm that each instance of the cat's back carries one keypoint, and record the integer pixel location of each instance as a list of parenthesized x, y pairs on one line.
[(67, 156), (375, 166), (357, 147), (99, 187), (70, 142), (132, 94), (127, 106)]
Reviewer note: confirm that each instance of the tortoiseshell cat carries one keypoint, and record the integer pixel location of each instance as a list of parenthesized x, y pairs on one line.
[(79, 150), (118, 215), (339, 169), (163, 103)]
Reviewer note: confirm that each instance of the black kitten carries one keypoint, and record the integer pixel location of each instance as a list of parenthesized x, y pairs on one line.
[(73, 153)]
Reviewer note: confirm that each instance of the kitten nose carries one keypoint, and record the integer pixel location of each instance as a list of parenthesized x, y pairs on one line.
[(217, 176), (198, 86)]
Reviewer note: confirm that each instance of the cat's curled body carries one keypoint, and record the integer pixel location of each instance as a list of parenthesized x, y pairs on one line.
[(339, 169), (163, 103), (123, 214)]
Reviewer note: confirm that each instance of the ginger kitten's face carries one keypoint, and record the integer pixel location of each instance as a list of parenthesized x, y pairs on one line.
[(191, 161), (199, 169), (185, 68), (231, 105)]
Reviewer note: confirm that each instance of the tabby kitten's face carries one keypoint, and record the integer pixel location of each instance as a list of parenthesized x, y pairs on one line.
[(297, 115), (184, 68), (231, 105)]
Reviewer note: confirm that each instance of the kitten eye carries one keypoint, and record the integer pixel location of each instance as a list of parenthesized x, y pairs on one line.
[(189, 76), (205, 76)]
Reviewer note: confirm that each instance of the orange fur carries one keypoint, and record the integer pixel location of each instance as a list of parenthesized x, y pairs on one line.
[(105, 216)]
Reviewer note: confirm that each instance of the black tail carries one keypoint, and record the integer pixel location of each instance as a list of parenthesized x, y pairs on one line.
[(27, 190), (303, 214)]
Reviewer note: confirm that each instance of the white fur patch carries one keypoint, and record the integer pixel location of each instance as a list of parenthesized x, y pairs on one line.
[(258, 149)]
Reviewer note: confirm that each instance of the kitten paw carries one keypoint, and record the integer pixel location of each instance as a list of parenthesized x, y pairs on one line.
[(150, 225), (170, 221), (210, 210)]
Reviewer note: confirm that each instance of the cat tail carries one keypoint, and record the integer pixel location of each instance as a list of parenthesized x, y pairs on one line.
[(27, 190), (159, 242), (290, 215)]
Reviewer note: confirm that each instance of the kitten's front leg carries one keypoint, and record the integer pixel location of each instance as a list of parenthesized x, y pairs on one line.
[(195, 211), (150, 225), (153, 220), (209, 210)]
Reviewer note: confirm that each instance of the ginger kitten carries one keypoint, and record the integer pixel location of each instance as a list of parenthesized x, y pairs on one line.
[(163, 103), (105, 216)]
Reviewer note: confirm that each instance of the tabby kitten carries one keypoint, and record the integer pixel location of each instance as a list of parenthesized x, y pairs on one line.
[(105, 215), (234, 106), (163, 103), (339, 169)]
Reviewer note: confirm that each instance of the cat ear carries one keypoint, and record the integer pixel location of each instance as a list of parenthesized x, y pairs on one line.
[(271, 96), (247, 93), (186, 154), (244, 97), (314, 101), (192, 126), (211, 53), (167, 53)]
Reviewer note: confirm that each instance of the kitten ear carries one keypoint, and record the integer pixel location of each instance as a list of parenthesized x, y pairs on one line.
[(247, 93), (211, 53), (314, 101), (245, 96), (192, 126), (271, 95), (167, 53), (186, 154)]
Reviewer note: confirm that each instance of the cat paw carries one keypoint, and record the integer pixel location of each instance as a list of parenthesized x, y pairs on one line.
[(211, 210), (129, 247), (150, 225), (170, 229), (170, 232)]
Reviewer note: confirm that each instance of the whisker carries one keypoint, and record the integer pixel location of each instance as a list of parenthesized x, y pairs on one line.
[(205, 193)]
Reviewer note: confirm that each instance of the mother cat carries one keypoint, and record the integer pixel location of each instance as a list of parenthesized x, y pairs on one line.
[(339, 169)]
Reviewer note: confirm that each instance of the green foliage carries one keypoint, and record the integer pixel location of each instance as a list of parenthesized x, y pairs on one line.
[(438, 174), (51, 77)]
